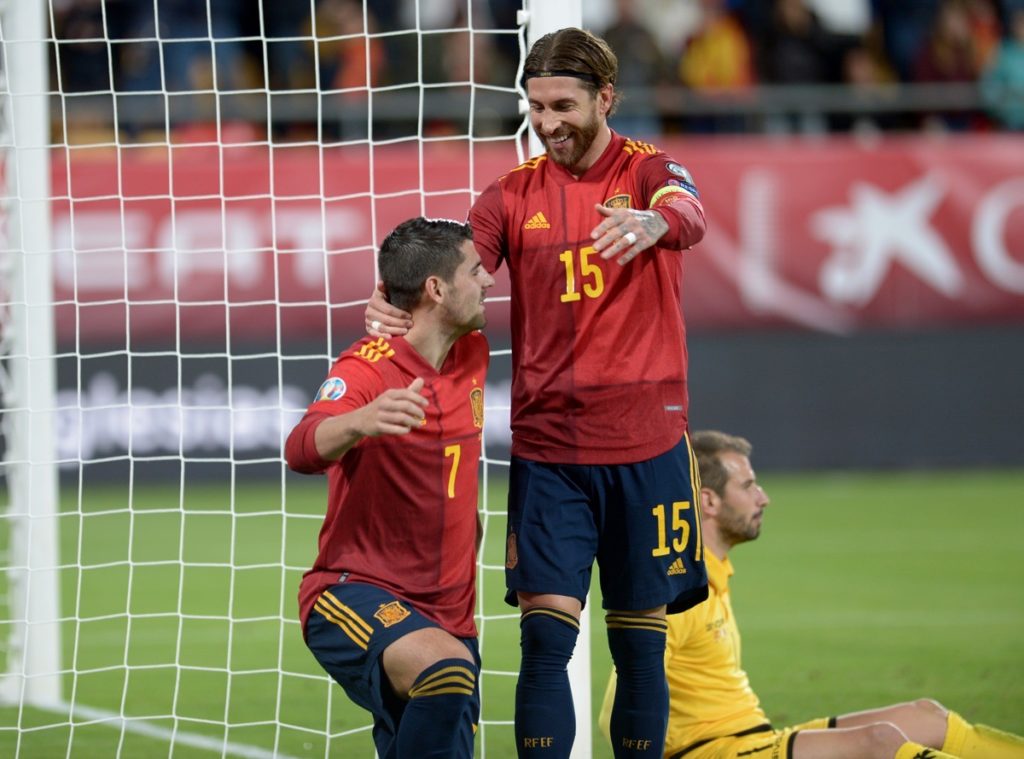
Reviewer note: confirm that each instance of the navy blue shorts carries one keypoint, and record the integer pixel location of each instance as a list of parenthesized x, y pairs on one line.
[(640, 521), (347, 631)]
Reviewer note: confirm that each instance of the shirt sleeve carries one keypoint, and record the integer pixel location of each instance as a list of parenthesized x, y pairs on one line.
[(487, 220), (351, 384), (668, 189)]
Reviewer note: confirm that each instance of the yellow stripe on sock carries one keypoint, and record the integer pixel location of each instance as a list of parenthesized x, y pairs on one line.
[(446, 680), (561, 616), (447, 671), (443, 691), (624, 622)]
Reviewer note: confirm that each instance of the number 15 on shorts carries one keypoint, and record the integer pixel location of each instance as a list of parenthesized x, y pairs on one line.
[(674, 539)]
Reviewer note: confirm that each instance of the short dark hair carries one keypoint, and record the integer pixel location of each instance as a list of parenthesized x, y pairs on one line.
[(574, 52), (416, 249), (708, 445)]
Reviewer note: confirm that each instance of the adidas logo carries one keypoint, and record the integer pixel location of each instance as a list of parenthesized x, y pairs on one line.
[(676, 568), (537, 221), (926, 754)]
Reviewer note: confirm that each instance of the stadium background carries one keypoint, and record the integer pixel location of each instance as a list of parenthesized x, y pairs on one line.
[(857, 311)]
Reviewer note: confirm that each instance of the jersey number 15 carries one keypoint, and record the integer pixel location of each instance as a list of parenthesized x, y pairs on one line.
[(588, 271)]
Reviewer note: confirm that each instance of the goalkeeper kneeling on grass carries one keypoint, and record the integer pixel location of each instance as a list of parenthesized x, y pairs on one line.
[(387, 609), (713, 713)]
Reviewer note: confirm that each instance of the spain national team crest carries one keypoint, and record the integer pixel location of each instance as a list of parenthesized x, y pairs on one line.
[(619, 201), (391, 613), (511, 554), (476, 403)]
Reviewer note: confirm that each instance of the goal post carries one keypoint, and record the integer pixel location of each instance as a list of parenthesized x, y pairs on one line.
[(32, 672)]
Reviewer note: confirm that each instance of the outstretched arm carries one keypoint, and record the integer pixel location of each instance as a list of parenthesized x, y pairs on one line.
[(393, 412), (383, 319), (319, 438)]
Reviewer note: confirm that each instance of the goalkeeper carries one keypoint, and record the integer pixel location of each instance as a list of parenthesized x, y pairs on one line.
[(387, 608), (714, 714)]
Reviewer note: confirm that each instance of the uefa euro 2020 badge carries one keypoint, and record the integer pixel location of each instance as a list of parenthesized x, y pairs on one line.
[(332, 389)]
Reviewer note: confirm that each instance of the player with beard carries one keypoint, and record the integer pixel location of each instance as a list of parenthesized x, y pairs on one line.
[(592, 233), (714, 713)]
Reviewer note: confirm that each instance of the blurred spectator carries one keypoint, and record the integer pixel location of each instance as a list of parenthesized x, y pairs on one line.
[(949, 52), (718, 55), (199, 46), (1002, 85), (868, 75), (642, 67), (348, 61), (717, 60), (948, 55), (504, 15), (82, 56), (794, 48), (904, 24), (986, 31), (286, 57)]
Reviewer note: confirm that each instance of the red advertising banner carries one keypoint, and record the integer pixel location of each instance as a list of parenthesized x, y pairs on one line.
[(276, 242)]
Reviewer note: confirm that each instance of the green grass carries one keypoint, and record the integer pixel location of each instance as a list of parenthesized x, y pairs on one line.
[(864, 589)]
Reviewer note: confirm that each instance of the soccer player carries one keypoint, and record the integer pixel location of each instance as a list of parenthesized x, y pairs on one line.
[(387, 608), (715, 715), (593, 234)]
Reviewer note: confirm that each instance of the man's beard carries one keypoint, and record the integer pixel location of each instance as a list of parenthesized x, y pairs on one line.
[(736, 531), (582, 138)]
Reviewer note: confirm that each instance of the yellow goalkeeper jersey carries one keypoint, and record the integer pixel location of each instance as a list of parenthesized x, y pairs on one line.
[(709, 693)]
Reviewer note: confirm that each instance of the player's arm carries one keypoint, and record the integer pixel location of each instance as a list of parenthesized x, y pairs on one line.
[(320, 439), (674, 218), (393, 412)]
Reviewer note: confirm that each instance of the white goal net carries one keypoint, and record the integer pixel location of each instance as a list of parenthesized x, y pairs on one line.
[(191, 196)]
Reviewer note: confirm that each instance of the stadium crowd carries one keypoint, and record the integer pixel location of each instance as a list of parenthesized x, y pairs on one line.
[(681, 59)]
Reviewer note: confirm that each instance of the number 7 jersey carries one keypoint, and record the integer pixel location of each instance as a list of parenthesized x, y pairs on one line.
[(401, 509), (598, 349)]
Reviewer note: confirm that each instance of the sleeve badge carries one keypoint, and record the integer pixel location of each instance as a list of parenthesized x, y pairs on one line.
[(332, 389), (679, 171)]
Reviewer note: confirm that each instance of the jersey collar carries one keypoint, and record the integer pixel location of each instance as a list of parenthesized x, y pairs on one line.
[(719, 571)]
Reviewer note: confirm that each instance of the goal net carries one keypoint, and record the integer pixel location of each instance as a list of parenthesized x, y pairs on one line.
[(191, 197)]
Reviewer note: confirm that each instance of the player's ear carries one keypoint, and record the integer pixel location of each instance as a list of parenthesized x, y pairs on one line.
[(605, 98), (433, 288), (708, 501)]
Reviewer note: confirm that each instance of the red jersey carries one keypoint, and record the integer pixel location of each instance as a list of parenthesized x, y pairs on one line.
[(598, 349), (401, 510)]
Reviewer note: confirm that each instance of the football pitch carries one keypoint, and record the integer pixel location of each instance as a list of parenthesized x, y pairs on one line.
[(864, 589)]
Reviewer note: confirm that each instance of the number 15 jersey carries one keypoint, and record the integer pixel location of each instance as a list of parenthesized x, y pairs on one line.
[(598, 349)]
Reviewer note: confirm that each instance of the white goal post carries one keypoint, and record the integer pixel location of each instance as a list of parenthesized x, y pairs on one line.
[(150, 537), (27, 378)]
